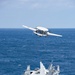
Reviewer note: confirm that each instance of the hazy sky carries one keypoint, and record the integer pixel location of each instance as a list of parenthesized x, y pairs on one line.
[(47, 13)]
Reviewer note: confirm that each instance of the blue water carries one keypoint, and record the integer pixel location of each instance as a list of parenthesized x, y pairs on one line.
[(20, 47)]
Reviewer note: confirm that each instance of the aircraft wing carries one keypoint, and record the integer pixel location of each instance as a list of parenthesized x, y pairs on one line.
[(33, 29), (52, 34)]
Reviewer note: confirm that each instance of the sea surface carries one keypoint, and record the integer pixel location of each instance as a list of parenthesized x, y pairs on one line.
[(20, 47)]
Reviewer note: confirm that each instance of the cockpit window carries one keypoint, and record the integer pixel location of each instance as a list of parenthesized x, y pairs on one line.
[(41, 32), (31, 72)]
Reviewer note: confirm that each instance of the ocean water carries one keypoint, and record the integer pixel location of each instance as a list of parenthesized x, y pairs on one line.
[(20, 47)]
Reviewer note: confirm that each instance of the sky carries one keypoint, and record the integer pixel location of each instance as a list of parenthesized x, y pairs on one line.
[(33, 13)]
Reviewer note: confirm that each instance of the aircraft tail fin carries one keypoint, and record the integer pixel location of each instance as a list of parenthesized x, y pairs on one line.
[(28, 67), (42, 69), (58, 68)]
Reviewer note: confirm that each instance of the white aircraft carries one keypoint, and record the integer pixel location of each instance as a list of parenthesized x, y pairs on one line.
[(41, 31), (52, 70)]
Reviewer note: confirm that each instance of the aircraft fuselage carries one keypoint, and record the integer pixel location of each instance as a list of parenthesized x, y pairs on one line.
[(40, 33)]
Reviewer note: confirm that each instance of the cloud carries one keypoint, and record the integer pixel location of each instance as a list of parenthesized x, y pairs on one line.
[(48, 4)]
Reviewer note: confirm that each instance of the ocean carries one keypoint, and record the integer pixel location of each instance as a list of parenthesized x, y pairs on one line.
[(20, 47)]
